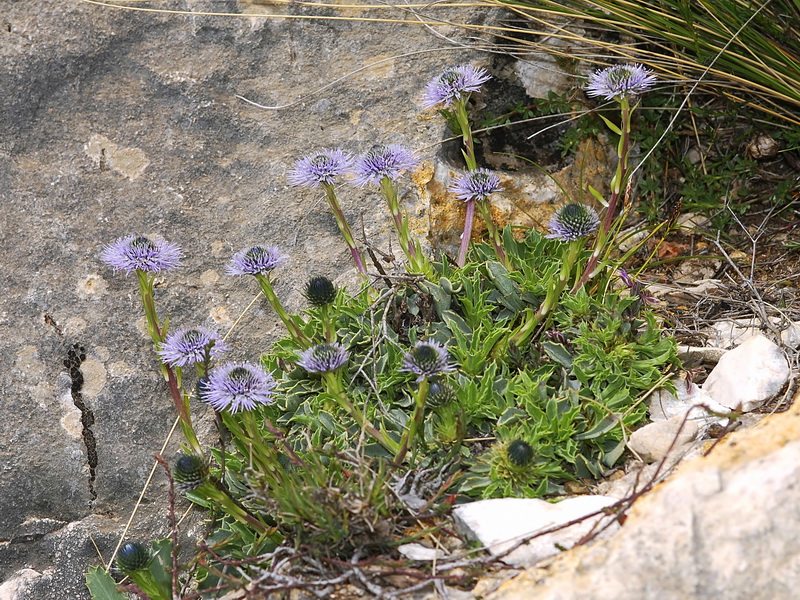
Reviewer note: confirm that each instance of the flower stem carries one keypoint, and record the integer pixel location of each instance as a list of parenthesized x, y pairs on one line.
[(417, 419), (158, 333), (418, 262), (398, 217), (460, 109), (334, 388), (292, 327), (344, 228), (618, 183), (523, 333), (469, 217), (494, 233)]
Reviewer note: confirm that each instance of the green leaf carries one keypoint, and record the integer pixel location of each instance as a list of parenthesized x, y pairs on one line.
[(558, 353), (511, 416), (598, 196), (611, 125), (610, 458), (603, 426), (161, 566), (455, 323), (102, 586), (472, 483)]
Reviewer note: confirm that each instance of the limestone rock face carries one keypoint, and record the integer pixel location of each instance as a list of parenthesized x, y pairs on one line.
[(117, 122)]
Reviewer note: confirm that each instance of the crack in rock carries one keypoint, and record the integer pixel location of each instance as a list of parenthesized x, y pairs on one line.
[(75, 356)]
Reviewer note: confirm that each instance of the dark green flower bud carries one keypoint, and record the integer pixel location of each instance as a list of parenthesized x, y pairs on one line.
[(520, 453), (320, 291), (441, 393), (189, 472), (133, 556)]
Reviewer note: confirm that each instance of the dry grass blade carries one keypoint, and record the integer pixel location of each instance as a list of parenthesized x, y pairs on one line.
[(753, 56)]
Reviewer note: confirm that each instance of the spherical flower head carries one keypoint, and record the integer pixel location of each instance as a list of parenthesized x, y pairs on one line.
[(320, 291), (132, 556), (323, 358), (520, 453), (427, 359), (140, 253), (476, 185), (258, 260), (320, 168), (382, 161), (620, 81), (454, 84), (440, 393), (188, 346), (189, 472), (573, 221), (238, 386)]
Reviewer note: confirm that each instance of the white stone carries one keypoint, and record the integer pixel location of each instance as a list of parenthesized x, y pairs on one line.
[(748, 376), (733, 332), (692, 221), (420, 552), (500, 523), (663, 405), (791, 335), (655, 440)]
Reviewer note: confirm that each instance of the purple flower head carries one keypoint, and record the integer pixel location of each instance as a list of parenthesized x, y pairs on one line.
[(452, 85), (573, 221), (427, 359), (323, 358), (476, 185), (320, 168), (188, 346), (140, 253), (238, 386), (382, 161), (258, 260), (620, 81)]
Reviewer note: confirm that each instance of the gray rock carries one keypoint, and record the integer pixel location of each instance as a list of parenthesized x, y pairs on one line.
[(748, 376), (117, 122), (655, 440), (689, 399), (791, 335), (501, 523), (420, 552)]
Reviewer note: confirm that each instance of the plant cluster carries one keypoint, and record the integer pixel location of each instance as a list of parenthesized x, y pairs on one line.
[(514, 368)]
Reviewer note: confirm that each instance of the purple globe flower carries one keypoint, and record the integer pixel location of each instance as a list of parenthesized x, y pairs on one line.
[(620, 81), (140, 253), (238, 386), (188, 346), (257, 260), (427, 359), (320, 168), (323, 358), (476, 185), (382, 161), (573, 221), (454, 84)]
